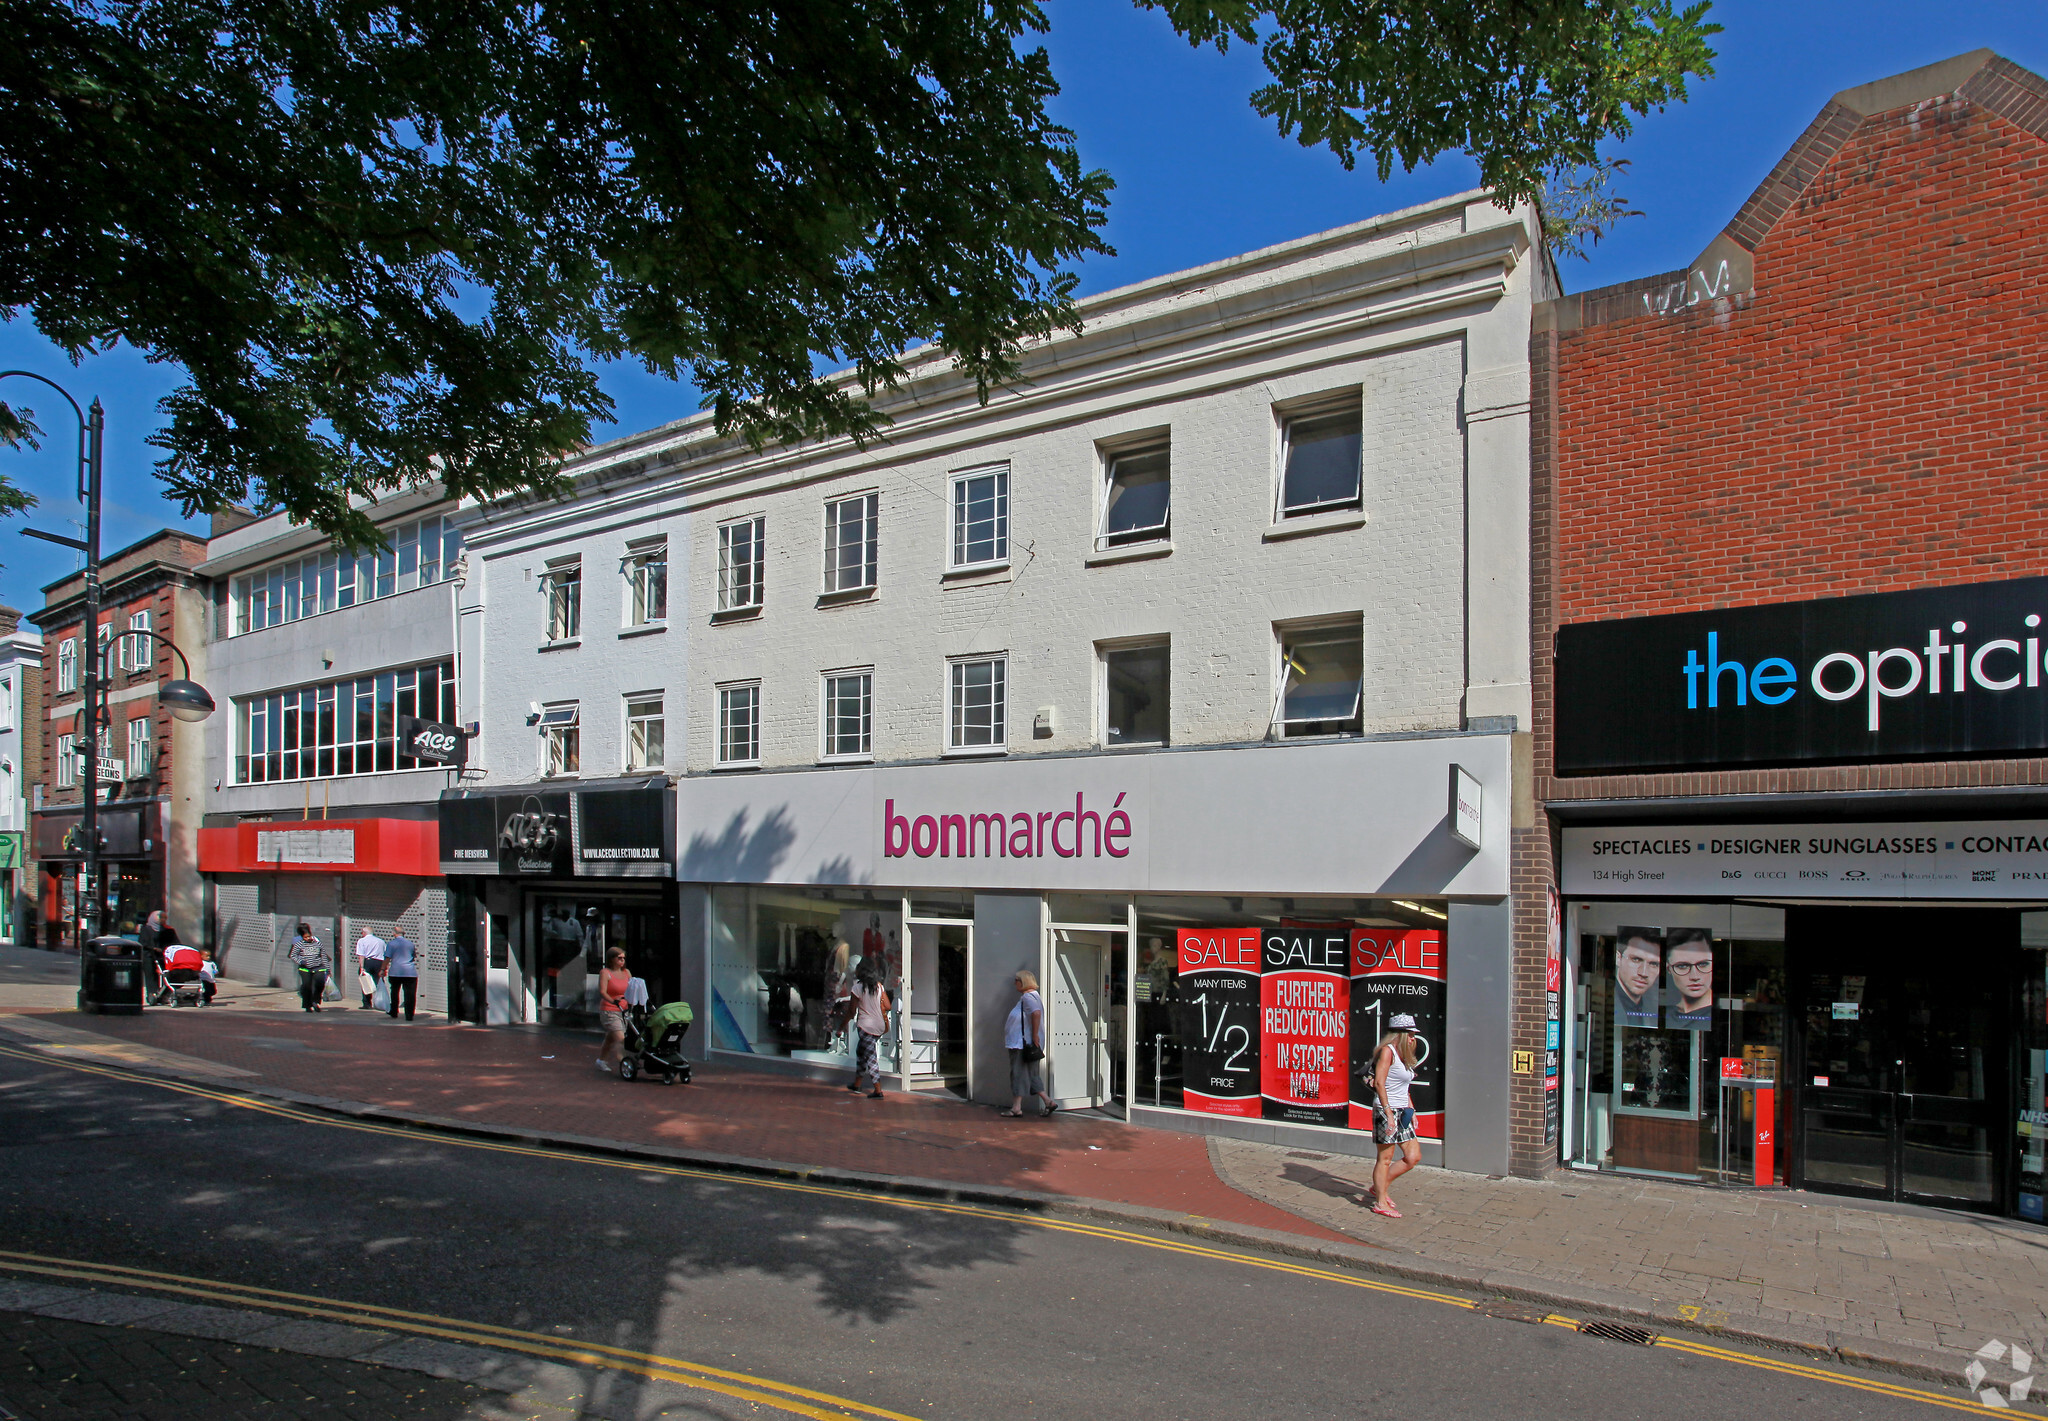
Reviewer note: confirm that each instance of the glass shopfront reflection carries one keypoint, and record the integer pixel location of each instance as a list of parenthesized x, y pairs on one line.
[(781, 958), (568, 935), (1662, 994), (1908, 1045)]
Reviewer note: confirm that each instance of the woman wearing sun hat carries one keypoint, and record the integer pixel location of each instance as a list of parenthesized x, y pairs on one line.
[(1393, 1117)]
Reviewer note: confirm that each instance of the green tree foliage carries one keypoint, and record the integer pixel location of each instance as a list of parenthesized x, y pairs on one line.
[(1529, 88), (380, 236), (377, 234)]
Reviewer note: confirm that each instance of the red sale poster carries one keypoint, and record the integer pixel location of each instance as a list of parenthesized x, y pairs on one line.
[(1305, 1023), (1216, 1017), (1396, 972)]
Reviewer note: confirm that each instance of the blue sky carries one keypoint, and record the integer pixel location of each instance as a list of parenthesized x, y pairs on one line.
[(1200, 177)]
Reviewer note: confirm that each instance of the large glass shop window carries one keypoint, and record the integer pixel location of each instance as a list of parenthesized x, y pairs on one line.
[(780, 959), (1272, 1008), (572, 933), (2030, 1122), (1663, 993)]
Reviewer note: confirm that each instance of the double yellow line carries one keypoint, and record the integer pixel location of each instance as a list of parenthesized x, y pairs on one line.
[(800, 1401), (797, 1399)]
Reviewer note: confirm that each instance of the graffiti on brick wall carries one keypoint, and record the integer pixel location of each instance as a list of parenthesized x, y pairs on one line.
[(1711, 281)]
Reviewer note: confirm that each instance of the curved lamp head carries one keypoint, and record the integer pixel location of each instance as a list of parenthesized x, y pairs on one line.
[(188, 700)]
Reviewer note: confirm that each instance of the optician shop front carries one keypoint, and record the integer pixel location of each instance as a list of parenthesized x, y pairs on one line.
[(1220, 935), (1837, 990)]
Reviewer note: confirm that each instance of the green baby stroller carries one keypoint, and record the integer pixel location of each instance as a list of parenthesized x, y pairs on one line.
[(654, 1043)]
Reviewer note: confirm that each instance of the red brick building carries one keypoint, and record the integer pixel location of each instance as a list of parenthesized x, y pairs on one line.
[(1791, 750), (155, 764)]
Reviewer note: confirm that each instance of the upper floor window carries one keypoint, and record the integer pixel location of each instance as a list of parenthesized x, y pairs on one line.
[(1321, 455), (849, 714), (136, 653), (339, 727), (422, 553), (1135, 691), (141, 752), (1137, 496), (561, 739), (981, 516), (646, 568), (67, 762), (6, 703), (851, 562), (67, 664), (742, 578), (564, 582), (1322, 670), (976, 712), (739, 724), (646, 737)]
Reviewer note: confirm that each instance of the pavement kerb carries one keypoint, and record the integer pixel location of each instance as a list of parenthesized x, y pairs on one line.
[(1656, 1314)]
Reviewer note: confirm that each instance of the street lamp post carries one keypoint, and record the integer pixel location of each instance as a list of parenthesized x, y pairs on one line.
[(187, 700), (91, 435)]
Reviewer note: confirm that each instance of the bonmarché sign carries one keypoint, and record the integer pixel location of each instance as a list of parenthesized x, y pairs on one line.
[(1074, 833), (1939, 673)]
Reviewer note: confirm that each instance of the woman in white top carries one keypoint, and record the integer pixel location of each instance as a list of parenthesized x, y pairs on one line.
[(870, 1022), (1393, 1117), (1024, 1035)]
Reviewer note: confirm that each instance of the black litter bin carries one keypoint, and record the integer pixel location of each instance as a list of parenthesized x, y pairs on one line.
[(111, 974)]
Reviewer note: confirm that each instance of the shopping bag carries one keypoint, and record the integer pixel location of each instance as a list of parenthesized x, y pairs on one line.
[(382, 999), (366, 981), (330, 990)]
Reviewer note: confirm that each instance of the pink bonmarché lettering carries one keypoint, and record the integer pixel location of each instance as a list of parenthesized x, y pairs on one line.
[(1074, 833)]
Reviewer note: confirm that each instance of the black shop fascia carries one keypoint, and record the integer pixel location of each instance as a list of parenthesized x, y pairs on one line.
[(612, 829)]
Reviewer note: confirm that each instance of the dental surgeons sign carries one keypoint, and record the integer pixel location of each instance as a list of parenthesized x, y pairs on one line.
[(1942, 673), (1995, 859)]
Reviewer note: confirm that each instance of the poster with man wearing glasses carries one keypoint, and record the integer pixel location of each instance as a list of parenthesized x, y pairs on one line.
[(1689, 962), (1638, 975)]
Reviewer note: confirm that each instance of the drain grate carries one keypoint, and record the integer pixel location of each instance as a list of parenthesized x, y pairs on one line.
[(1304, 1154), (1619, 1332)]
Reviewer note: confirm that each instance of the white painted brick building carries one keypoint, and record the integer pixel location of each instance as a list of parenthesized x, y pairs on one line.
[(1278, 574)]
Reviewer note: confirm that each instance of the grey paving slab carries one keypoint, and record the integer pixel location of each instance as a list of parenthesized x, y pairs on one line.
[(321, 1339), (1896, 1277)]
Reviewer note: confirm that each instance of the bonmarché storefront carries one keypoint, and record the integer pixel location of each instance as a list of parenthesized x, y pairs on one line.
[(1877, 960), (1220, 934)]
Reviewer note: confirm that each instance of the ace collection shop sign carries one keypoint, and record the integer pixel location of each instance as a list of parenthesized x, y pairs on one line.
[(1937, 673)]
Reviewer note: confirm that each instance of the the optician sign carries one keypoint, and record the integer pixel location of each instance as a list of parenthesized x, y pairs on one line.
[(1939, 673), (1999, 859)]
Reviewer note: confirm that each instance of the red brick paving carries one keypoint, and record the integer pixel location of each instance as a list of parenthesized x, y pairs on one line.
[(503, 1076)]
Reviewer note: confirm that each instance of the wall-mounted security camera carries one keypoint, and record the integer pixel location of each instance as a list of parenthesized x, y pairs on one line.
[(533, 718)]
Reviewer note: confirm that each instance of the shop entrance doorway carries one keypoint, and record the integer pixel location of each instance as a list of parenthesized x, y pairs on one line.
[(1902, 1076), (932, 1002), (1079, 1055)]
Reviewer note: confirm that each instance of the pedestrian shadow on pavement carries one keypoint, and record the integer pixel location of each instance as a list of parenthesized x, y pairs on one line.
[(1323, 1182)]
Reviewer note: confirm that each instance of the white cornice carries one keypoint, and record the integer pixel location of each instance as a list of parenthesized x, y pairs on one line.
[(687, 459)]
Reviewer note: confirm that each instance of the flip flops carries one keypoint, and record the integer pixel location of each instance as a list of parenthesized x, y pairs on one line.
[(1386, 1211), (1011, 1114)]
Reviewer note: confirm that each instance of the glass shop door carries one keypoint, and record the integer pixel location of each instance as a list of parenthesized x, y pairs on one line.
[(1904, 1064)]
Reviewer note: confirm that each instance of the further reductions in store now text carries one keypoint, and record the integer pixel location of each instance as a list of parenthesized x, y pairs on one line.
[(1216, 1016), (1305, 1023), (1396, 971)]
